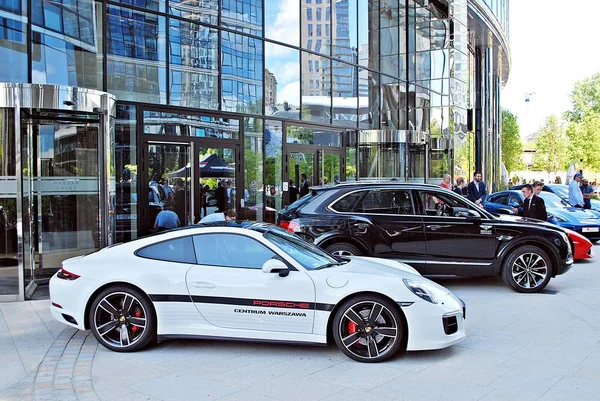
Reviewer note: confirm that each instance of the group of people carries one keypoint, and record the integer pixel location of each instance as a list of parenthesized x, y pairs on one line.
[(297, 193), (581, 192)]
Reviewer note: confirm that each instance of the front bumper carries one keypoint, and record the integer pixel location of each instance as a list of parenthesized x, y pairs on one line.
[(428, 323)]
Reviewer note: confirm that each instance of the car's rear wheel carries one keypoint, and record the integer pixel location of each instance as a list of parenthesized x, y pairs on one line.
[(343, 249), (369, 328), (122, 319), (527, 269)]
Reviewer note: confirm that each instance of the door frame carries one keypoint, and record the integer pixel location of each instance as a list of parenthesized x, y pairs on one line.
[(194, 145)]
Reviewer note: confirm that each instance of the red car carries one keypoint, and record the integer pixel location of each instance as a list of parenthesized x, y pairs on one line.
[(582, 247)]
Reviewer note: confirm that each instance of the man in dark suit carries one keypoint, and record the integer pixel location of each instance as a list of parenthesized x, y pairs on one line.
[(304, 185), (533, 206), (477, 189), (221, 197)]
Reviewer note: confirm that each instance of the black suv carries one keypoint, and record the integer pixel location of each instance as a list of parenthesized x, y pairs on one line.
[(430, 228)]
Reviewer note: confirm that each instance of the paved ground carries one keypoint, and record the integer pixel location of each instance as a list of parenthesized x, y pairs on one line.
[(519, 347)]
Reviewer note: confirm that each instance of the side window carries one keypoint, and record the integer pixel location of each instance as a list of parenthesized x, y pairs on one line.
[(501, 199), (387, 201), (231, 250), (175, 250), (515, 198), (348, 202), (441, 204)]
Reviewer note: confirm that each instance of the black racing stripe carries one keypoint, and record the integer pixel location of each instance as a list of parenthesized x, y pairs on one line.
[(170, 298), (260, 303)]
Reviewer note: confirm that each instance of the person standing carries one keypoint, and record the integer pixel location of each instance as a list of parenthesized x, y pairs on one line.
[(293, 191), (533, 206), (180, 200), (446, 183), (460, 186), (588, 193), (304, 185), (575, 195), (477, 189), (166, 219), (221, 197), (538, 187)]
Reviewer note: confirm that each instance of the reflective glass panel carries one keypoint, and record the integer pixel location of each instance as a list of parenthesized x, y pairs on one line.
[(74, 57), (282, 81), (282, 21), (136, 55), (150, 5), (126, 167), (316, 88), (205, 11), (203, 126), (370, 99), (305, 135), (253, 207), (242, 73), (76, 20), (193, 54), (13, 41), (316, 35), (273, 167), (243, 16), (345, 94)]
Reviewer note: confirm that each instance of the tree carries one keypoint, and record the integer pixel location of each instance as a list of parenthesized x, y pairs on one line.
[(584, 141), (512, 147), (551, 146), (585, 98)]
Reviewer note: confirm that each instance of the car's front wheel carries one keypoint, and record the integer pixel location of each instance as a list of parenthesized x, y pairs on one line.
[(369, 328), (122, 319), (527, 269), (343, 249)]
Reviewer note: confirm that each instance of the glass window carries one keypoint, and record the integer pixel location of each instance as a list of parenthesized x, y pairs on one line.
[(348, 202), (309, 14), (305, 135), (231, 250), (176, 250), (136, 55), (387, 201), (13, 43), (242, 71), (273, 191), (253, 208), (345, 94), (282, 21), (194, 62), (126, 173), (151, 5), (501, 199), (203, 126), (317, 31), (316, 108), (243, 15), (308, 255), (282, 81), (205, 11), (444, 204), (73, 58)]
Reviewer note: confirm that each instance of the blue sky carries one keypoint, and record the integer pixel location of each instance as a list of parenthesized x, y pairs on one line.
[(553, 44)]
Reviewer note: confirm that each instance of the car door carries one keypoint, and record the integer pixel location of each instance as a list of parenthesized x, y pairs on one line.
[(460, 240), (398, 229), (230, 290)]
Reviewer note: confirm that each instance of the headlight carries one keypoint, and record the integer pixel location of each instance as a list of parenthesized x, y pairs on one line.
[(424, 291), (557, 218)]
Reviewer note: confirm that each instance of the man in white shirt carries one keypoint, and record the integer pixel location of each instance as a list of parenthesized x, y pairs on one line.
[(575, 195)]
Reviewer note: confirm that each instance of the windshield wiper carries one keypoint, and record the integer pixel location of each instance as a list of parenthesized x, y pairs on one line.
[(325, 266)]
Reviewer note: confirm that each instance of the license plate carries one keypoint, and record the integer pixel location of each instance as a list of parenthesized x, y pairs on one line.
[(126, 217), (591, 229)]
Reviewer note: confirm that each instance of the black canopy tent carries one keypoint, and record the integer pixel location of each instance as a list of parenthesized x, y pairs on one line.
[(211, 166)]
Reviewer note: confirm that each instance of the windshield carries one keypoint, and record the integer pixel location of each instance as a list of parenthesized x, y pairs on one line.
[(553, 200), (560, 190), (308, 255)]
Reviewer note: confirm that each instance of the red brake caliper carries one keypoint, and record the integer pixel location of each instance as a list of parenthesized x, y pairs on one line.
[(352, 327), (134, 328)]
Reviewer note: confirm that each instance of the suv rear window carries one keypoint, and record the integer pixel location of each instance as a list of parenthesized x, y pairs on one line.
[(303, 201)]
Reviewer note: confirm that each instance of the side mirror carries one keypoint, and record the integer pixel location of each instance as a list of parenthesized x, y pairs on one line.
[(275, 266)]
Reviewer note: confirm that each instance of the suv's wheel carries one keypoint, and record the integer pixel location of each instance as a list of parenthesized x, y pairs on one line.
[(368, 328), (527, 269), (122, 319), (343, 249)]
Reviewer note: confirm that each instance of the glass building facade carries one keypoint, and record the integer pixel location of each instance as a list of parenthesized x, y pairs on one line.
[(249, 95)]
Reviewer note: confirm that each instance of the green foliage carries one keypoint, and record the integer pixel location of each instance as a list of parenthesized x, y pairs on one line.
[(512, 147), (585, 98), (551, 146), (584, 141)]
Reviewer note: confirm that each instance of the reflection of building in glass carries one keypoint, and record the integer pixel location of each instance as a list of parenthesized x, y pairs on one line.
[(270, 89)]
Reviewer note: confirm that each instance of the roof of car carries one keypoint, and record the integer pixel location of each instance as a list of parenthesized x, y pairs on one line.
[(373, 183)]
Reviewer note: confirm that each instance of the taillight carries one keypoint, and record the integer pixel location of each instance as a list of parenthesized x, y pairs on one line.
[(291, 226), (67, 275)]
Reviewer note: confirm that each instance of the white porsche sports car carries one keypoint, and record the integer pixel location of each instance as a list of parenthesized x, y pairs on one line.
[(252, 281)]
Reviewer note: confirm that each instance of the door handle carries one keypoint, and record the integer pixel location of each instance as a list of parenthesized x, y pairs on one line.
[(434, 227), (361, 225), (202, 284)]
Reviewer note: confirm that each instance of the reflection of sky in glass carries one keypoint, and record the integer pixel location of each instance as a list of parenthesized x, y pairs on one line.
[(46, 141)]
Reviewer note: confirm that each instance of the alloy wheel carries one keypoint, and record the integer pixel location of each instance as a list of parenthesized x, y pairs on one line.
[(529, 270), (368, 330), (120, 319)]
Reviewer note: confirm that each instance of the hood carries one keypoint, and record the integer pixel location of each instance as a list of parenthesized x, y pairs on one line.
[(383, 267), (576, 212)]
